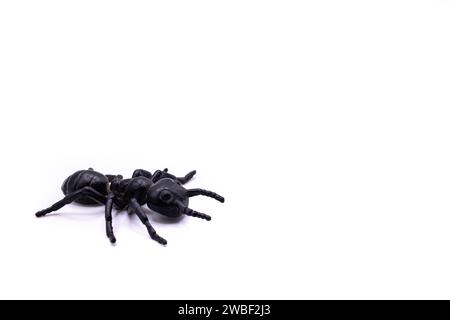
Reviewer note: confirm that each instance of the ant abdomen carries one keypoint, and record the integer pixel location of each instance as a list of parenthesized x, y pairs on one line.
[(86, 178)]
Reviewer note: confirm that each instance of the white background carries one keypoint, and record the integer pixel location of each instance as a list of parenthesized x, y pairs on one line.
[(325, 124)]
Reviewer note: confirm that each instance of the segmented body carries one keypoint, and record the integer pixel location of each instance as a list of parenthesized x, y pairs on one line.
[(126, 189), (161, 192), (86, 178)]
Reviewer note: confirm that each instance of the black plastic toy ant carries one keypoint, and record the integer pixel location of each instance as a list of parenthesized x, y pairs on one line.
[(161, 191)]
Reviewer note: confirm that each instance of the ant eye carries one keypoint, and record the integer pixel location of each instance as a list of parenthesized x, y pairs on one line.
[(166, 196)]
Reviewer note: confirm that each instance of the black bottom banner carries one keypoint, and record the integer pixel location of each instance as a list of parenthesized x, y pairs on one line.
[(225, 309)]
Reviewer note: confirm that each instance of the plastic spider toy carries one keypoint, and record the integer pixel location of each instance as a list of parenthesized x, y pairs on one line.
[(160, 191)]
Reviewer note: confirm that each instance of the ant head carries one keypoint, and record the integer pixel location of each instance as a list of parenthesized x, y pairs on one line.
[(168, 197)]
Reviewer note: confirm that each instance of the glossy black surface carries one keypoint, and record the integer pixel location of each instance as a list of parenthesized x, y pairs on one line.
[(161, 191)]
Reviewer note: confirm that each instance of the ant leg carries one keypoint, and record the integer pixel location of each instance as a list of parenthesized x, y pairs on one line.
[(207, 193), (165, 174), (86, 191), (108, 218), (157, 175), (136, 208), (160, 174), (187, 177)]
